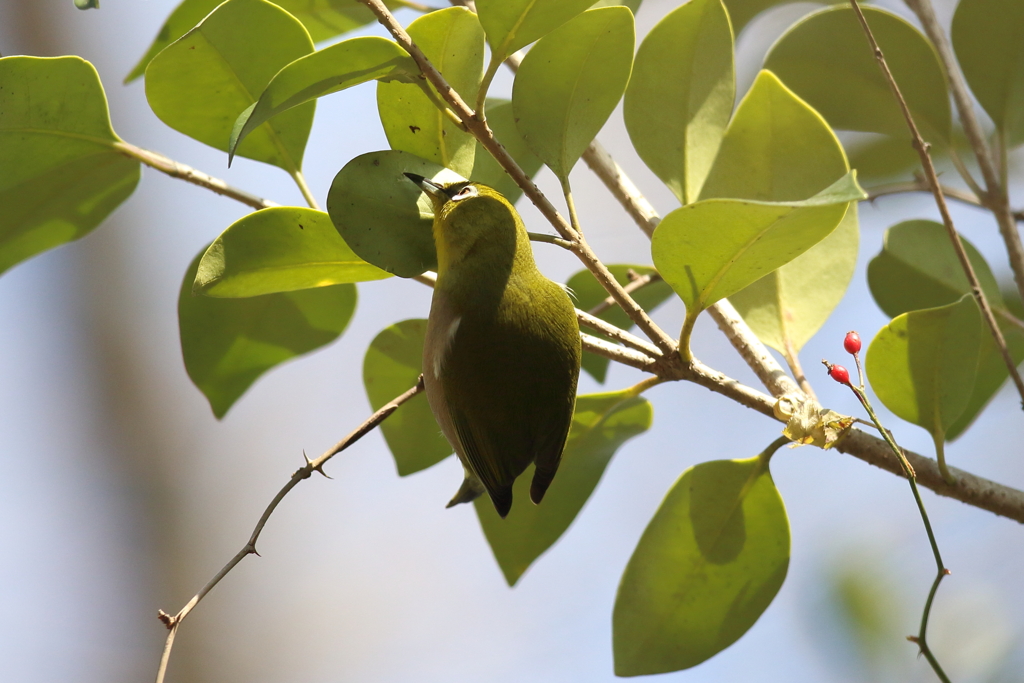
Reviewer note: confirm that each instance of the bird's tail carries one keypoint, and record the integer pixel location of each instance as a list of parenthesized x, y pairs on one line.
[(539, 486)]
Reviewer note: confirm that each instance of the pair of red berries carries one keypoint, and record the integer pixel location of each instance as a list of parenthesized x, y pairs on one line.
[(852, 345)]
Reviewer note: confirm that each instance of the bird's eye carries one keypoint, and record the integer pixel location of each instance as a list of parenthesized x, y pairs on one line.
[(465, 193)]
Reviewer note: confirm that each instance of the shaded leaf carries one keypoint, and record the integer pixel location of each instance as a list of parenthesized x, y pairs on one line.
[(382, 215), (228, 343), (326, 71), (282, 249), (204, 80), (453, 41), (60, 173), (322, 18), (716, 247), (741, 12), (600, 425), (922, 365), (709, 563), (788, 306), (917, 268), (501, 119), (827, 61), (986, 35), (512, 24), (569, 83), (680, 96), (588, 292), (391, 366)]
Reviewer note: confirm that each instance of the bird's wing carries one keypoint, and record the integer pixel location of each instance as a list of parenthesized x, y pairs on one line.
[(489, 466)]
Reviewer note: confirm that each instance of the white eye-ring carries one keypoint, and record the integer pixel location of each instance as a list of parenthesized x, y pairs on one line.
[(466, 192)]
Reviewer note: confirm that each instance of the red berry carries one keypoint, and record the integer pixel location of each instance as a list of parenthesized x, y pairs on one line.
[(839, 374), (852, 343)]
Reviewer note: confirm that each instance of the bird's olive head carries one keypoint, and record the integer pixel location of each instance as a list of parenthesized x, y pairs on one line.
[(464, 212)]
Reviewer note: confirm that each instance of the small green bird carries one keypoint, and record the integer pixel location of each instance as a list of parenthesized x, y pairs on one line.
[(502, 352)]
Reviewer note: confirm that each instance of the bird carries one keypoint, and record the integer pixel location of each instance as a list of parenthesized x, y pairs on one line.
[(501, 354)]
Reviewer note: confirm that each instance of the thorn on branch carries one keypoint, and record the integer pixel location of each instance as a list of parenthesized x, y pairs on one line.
[(166, 619), (314, 468)]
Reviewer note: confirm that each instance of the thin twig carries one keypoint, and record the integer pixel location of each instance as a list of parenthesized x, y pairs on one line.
[(549, 239), (307, 194), (911, 475), (485, 136), (996, 199), (304, 472), (618, 334), (792, 357), (921, 185), (933, 181), (191, 175), (638, 283)]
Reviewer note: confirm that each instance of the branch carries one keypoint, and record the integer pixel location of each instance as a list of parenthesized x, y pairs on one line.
[(933, 182), (485, 135), (637, 282), (618, 334), (997, 199), (305, 472), (191, 175), (921, 185)]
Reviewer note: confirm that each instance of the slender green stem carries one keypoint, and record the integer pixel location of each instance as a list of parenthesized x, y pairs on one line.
[(300, 180), (920, 639), (940, 456), (425, 9), (766, 455), (550, 239), (441, 106), (485, 85), (684, 337), (642, 386), (574, 219)]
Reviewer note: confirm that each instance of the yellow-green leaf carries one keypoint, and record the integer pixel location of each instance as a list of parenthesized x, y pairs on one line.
[(600, 425), (512, 24), (680, 96), (60, 173), (922, 365), (202, 82), (453, 41), (282, 249), (501, 119), (391, 366), (788, 306), (326, 71), (322, 18), (709, 563), (569, 83), (228, 343), (827, 61)]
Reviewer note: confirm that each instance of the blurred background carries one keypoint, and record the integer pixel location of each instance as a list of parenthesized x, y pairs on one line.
[(120, 494)]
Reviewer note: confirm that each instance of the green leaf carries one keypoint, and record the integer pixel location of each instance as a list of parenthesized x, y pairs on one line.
[(204, 80), (322, 18), (228, 343), (986, 35), (282, 249), (633, 5), (600, 425), (922, 365), (742, 11), (453, 41), (60, 172), (776, 149), (501, 119), (392, 365), (588, 292), (382, 216), (788, 306), (709, 563), (714, 248), (512, 24), (326, 71), (569, 83), (827, 61), (680, 96), (87, 4), (917, 268)]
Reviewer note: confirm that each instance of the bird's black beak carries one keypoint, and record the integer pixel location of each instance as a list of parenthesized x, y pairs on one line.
[(426, 184)]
